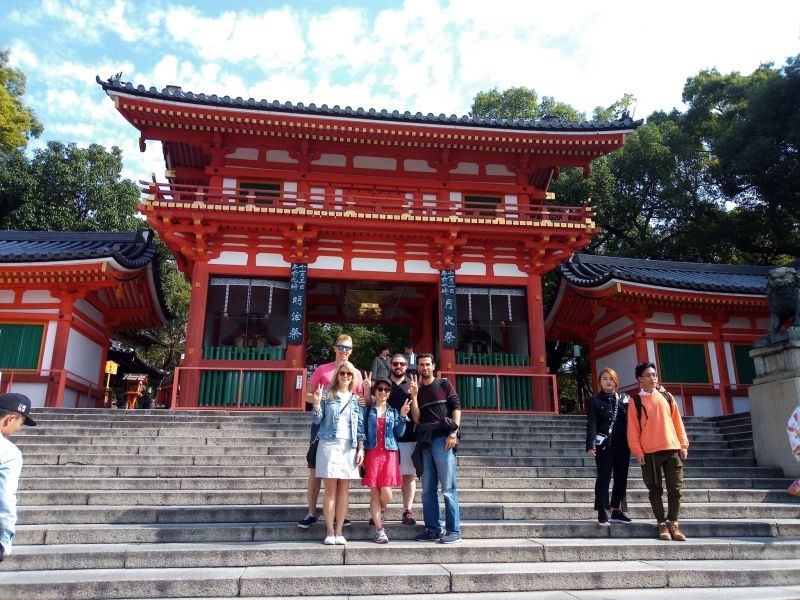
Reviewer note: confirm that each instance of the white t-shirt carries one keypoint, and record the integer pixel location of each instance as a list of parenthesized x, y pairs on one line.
[(10, 468), (343, 429)]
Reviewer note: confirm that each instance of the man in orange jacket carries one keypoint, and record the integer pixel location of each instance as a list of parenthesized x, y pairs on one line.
[(658, 440)]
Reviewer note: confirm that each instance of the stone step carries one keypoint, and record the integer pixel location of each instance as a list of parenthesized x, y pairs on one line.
[(251, 554), (250, 511), (426, 579), (360, 494), (298, 482), (259, 530), (296, 470)]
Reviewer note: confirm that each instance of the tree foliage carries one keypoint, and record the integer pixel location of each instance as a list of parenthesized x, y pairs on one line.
[(18, 123), (68, 188), (521, 103), (367, 342)]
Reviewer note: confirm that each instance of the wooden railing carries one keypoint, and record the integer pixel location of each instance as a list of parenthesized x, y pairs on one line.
[(396, 204)]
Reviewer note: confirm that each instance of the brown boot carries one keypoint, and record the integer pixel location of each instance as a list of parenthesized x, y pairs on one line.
[(663, 532), (675, 531)]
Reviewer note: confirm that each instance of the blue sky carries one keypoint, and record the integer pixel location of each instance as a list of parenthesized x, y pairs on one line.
[(418, 55)]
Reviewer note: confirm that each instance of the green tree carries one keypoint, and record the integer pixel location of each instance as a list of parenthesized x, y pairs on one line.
[(751, 126), (367, 341), (18, 123), (521, 103), (68, 188)]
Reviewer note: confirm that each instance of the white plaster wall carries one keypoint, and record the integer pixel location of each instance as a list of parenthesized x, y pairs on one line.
[(741, 404), (37, 392), (244, 154), (728, 349), (281, 156), (507, 270), (328, 262), (762, 325), (614, 326), (229, 258), (38, 296), (706, 406), (417, 166), (331, 160), (70, 399), (472, 268), (90, 311), (738, 323), (651, 351), (466, 168), (418, 266), (500, 170), (49, 343), (7, 295), (375, 162), (694, 321), (712, 360), (623, 362), (270, 259), (662, 318), (679, 402), (83, 356), (381, 265), (511, 207)]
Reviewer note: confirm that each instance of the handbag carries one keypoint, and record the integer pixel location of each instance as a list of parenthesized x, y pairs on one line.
[(602, 440)]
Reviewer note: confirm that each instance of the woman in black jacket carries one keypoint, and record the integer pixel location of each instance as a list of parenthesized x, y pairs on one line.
[(607, 441)]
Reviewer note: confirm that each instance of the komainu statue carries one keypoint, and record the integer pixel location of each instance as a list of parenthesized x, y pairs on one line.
[(783, 297)]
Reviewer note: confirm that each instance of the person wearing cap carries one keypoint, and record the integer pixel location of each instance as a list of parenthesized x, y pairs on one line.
[(382, 426), (15, 410)]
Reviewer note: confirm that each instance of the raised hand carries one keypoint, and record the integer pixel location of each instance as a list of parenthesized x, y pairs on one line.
[(405, 408), (366, 383), (317, 396), (414, 387)]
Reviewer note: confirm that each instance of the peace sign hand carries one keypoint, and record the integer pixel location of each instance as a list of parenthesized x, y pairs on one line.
[(414, 387), (317, 396), (405, 408)]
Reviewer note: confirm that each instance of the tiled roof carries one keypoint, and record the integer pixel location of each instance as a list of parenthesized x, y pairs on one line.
[(588, 271), (175, 94), (132, 250)]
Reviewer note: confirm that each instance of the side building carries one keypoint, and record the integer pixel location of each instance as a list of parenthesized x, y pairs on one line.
[(696, 322), (62, 295)]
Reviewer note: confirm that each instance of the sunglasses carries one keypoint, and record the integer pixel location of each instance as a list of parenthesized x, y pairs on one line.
[(343, 347), (345, 374), (383, 390), (398, 364)]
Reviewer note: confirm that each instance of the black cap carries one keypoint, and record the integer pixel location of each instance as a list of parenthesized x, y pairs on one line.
[(382, 380), (17, 403)]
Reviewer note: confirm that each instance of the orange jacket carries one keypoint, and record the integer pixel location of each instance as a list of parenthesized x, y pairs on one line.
[(661, 428)]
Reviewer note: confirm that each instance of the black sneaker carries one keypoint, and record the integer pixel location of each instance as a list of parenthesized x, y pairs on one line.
[(602, 518), (617, 516), (429, 536), (307, 521), (345, 523)]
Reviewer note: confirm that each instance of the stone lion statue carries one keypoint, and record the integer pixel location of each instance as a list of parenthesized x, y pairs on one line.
[(783, 297)]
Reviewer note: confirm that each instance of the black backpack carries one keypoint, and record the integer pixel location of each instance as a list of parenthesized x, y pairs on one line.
[(637, 400)]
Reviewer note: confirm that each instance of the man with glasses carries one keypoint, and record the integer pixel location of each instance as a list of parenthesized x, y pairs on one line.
[(343, 347), (658, 441), (405, 387), (438, 414)]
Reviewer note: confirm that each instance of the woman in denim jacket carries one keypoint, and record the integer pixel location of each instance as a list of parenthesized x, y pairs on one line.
[(383, 425), (341, 446)]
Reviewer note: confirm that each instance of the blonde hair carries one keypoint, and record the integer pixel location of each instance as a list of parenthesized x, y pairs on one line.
[(345, 366), (612, 373), (342, 338)]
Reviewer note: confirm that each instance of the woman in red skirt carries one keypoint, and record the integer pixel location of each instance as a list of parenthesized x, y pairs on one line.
[(382, 426)]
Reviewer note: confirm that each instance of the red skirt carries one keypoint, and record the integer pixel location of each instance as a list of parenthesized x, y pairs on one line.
[(382, 468)]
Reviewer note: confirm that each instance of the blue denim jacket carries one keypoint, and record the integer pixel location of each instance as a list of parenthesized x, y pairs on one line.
[(328, 416), (10, 467), (395, 428)]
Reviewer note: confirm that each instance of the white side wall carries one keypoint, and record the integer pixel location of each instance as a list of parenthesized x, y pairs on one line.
[(83, 356), (622, 361), (707, 406)]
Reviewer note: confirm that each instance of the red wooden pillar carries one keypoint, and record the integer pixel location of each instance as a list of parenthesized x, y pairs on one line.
[(541, 385), (722, 366), (640, 338), (55, 389), (195, 330), (425, 342)]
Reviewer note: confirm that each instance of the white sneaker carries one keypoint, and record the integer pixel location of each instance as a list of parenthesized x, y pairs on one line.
[(340, 541), (381, 537), (329, 540)]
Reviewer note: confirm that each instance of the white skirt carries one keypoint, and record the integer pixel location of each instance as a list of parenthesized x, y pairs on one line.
[(336, 459)]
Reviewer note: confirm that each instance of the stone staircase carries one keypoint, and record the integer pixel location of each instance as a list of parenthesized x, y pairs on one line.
[(156, 504)]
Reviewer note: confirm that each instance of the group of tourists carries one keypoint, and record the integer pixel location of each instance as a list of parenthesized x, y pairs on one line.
[(385, 429), (652, 430)]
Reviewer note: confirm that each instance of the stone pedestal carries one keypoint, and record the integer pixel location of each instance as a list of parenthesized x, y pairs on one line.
[(773, 396)]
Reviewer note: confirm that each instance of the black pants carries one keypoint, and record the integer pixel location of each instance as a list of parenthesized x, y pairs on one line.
[(616, 459)]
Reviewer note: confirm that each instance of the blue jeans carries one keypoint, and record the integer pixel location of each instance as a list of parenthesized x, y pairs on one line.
[(439, 467)]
